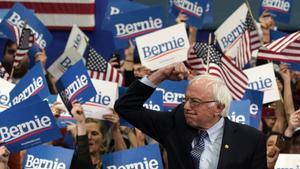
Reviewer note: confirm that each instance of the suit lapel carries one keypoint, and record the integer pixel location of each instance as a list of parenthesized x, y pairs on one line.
[(227, 141)]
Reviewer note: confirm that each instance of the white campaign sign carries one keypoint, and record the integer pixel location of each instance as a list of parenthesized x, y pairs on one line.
[(262, 78), (288, 161), (5, 88), (164, 47), (77, 40), (62, 63), (232, 28), (107, 94)]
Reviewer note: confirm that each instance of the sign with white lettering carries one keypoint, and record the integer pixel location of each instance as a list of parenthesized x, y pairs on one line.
[(194, 9), (256, 99), (155, 102), (232, 28), (132, 24), (47, 157), (64, 62), (103, 102), (5, 88), (164, 47), (34, 82), (17, 17), (288, 161), (280, 10), (77, 40), (262, 78), (146, 157), (239, 112), (293, 66), (115, 7), (35, 125), (173, 93), (63, 121), (75, 84)]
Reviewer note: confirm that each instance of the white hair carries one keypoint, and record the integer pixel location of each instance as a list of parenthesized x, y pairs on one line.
[(219, 90)]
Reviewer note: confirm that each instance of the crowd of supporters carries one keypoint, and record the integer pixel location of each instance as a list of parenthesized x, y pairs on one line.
[(280, 120)]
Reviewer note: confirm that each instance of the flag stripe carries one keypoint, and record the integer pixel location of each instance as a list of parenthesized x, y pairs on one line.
[(280, 44), (219, 66), (270, 55), (60, 14), (285, 49), (56, 8)]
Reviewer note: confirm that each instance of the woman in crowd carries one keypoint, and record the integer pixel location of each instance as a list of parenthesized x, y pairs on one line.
[(90, 139)]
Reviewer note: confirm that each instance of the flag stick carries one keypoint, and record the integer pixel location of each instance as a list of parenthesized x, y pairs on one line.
[(215, 40), (209, 43), (12, 72)]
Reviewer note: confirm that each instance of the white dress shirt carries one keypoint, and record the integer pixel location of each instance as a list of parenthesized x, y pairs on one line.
[(210, 156)]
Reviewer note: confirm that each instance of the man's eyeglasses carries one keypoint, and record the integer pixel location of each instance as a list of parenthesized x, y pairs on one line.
[(196, 102), (11, 51)]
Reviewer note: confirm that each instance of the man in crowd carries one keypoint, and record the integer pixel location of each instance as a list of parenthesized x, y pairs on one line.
[(196, 134)]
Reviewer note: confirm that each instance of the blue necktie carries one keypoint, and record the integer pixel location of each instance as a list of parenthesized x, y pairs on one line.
[(198, 148)]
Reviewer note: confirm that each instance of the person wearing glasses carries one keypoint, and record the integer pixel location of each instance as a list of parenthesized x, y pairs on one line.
[(196, 134)]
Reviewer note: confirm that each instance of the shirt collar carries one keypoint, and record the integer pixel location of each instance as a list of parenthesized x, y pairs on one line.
[(215, 130)]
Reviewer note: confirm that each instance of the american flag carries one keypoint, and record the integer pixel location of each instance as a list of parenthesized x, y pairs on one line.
[(3, 73), (60, 14), (255, 40), (220, 66), (98, 68), (247, 43), (26, 40), (285, 49)]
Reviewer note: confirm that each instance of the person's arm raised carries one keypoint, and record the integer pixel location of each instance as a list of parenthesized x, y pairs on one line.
[(176, 72)]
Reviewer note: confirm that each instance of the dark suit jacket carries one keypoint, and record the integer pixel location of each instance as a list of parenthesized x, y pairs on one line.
[(245, 146)]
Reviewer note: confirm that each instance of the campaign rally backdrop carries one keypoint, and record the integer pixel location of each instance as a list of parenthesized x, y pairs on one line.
[(103, 42), (100, 39)]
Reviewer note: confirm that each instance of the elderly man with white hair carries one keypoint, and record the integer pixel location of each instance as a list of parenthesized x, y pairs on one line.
[(196, 134)]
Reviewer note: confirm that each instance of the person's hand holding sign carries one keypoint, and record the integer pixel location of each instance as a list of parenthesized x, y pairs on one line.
[(77, 112)]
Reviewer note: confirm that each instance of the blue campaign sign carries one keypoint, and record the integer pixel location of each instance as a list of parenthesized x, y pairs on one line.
[(34, 82), (115, 7), (18, 16), (256, 103), (75, 84), (239, 112), (276, 34), (195, 11), (3, 12), (142, 157), (63, 121), (173, 93), (155, 102), (208, 13), (132, 24), (45, 156), (125, 123), (280, 10), (35, 125), (51, 99), (293, 66)]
